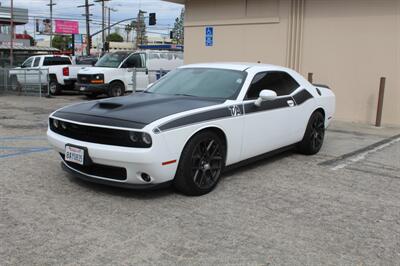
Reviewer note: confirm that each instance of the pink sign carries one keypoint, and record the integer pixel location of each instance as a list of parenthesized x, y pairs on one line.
[(66, 26)]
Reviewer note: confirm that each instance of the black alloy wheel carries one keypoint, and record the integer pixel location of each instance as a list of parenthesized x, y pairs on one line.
[(201, 164), (314, 135), (206, 163)]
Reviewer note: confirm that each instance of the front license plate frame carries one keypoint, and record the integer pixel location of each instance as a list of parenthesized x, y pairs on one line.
[(74, 154)]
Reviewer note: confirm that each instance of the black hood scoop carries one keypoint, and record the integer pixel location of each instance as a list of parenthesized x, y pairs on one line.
[(108, 105), (134, 111)]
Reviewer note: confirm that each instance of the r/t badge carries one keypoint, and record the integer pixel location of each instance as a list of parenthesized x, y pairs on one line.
[(235, 110)]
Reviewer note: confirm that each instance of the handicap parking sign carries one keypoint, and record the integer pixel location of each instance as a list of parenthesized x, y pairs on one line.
[(209, 36)]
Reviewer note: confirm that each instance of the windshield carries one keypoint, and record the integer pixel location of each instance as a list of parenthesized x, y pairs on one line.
[(111, 60), (201, 82)]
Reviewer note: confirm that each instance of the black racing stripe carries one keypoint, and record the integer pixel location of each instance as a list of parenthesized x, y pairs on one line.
[(247, 108), (267, 105), (98, 120), (197, 118), (302, 96)]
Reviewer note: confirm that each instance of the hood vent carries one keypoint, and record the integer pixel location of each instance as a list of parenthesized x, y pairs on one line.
[(108, 105)]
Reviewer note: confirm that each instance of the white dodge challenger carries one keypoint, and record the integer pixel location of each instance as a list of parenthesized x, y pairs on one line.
[(190, 125)]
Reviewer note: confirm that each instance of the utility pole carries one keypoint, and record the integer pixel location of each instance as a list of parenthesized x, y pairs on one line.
[(12, 35), (87, 15), (139, 37), (51, 21), (103, 25), (109, 18)]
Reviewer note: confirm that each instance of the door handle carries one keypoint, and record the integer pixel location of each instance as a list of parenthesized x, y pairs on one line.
[(290, 103)]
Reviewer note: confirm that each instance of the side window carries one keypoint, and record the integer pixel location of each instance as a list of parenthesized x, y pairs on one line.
[(134, 61), (280, 82), (28, 63), (154, 56), (36, 62)]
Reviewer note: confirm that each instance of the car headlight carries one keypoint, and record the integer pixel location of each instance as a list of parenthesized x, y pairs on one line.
[(55, 123), (140, 139)]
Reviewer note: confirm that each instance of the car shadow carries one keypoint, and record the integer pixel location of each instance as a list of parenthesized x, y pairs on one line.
[(167, 189), (151, 193), (253, 163)]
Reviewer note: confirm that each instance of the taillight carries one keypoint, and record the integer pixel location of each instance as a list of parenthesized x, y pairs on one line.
[(66, 71)]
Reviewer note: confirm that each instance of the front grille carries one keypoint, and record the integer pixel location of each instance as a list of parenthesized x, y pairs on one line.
[(84, 79), (94, 134), (106, 171)]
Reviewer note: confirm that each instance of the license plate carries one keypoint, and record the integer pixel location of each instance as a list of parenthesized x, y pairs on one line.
[(83, 88), (74, 155)]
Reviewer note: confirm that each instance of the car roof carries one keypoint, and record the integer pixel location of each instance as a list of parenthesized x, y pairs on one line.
[(240, 66)]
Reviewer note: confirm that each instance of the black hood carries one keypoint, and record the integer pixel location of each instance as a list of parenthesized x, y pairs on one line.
[(135, 111)]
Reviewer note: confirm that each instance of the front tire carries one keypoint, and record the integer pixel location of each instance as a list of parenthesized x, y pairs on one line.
[(314, 135), (201, 164), (116, 89)]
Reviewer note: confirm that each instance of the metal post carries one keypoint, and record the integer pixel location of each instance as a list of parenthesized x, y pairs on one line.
[(380, 102), (12, 35), (310, 77), (134, 80), (40, 83)]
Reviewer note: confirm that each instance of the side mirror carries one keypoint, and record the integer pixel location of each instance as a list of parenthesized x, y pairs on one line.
[(265, 95)]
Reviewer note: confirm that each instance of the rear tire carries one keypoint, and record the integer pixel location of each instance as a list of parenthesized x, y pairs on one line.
[(201, 164), (116, 89), (314, 135), (54, 87)]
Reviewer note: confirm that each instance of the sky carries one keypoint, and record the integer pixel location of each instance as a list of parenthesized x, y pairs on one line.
[(67, 9)]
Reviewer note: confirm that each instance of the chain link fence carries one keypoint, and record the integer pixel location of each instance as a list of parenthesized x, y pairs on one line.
[(32, 82), (35, 82)]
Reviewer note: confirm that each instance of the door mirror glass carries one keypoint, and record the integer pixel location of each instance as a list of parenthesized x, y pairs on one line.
[(265, 95)]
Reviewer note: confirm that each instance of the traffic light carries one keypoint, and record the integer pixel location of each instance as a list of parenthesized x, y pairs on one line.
[(152, 19), (90, 42), (106, 46), (171, 35)]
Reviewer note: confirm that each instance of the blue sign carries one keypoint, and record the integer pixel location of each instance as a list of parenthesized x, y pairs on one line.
[(209, 36)]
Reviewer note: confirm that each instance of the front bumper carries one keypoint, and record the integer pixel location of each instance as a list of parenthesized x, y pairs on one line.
[(134, 160), (91, 88)]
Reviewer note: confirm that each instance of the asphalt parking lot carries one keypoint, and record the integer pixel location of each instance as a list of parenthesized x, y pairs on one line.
[(340, 207)]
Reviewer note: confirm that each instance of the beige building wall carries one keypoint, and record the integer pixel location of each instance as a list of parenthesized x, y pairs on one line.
[(347, 44)]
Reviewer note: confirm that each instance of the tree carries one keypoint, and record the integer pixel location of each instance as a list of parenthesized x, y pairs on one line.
[(178, 31), (61, 42), (140, 27), (115, 37)]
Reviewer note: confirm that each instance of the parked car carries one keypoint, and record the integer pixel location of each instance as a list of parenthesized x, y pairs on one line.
[(57, 71), (87, 60), (113, 73), (190, 125)]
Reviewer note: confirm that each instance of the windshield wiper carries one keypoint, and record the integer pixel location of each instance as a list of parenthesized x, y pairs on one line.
[(183, 94)]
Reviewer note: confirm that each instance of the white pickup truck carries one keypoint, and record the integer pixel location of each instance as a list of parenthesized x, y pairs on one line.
[(113, 73), (57, 71)]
